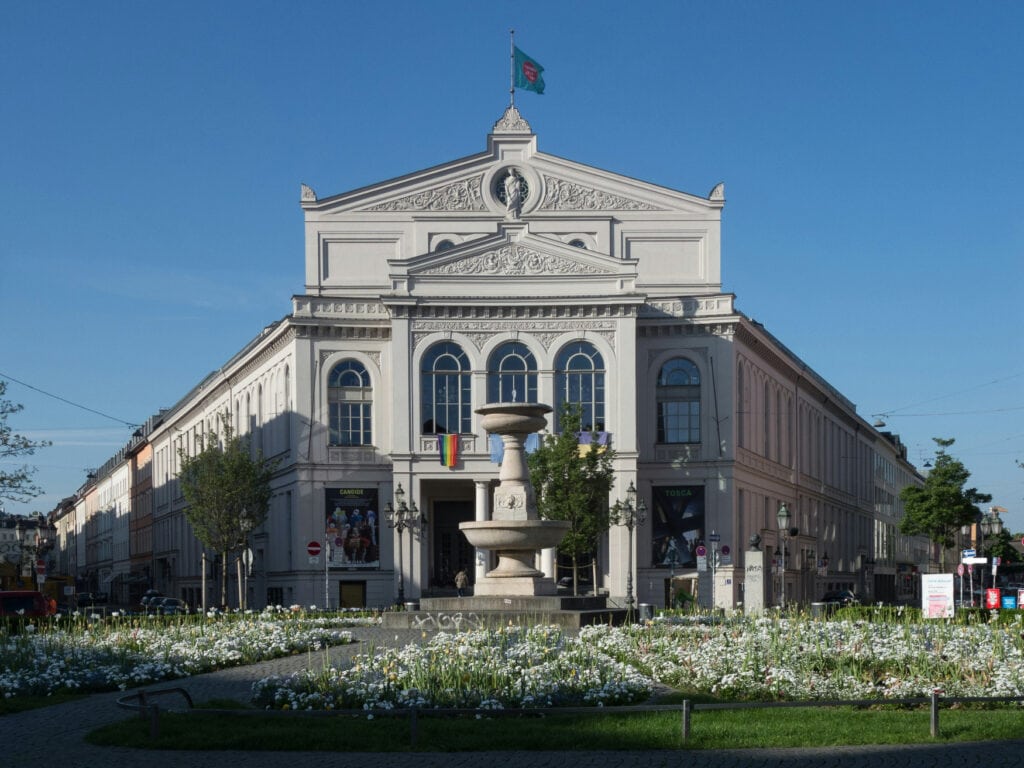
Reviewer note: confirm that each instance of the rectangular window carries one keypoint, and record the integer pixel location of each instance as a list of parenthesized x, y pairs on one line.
[(679, 421)]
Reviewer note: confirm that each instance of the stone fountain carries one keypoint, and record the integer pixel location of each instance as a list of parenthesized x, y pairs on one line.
[(514, 533), (514, 591)]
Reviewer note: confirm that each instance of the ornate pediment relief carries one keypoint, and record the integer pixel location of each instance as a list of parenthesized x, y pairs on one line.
[(514, 259), (462, 195), (562, 195)]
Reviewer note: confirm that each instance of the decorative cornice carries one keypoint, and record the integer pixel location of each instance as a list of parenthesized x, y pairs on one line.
[(461, 195), (373, 333), (514, 259), (726, 330), (718, 193), (311, 307), (254, 363), (308, 195), (512, 122), (561, 195), (709, 306)]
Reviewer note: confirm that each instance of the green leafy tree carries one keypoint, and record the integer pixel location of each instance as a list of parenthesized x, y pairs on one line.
[(573, 487), (16, 484), (940, 507), (1001, 546), (228, 493)]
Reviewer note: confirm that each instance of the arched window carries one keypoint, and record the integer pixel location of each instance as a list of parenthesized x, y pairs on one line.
[(577, 243), (445, 390), (444, 245), (579, 380), (512, 374), (678, 397), (350, 404)]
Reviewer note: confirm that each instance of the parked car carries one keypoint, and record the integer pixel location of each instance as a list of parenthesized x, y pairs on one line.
[(841, 596), (171, 606), (25, 602), (151, 600)]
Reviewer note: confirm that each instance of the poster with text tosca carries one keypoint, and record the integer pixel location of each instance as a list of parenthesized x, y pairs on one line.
[(528, 73), (352, 528)]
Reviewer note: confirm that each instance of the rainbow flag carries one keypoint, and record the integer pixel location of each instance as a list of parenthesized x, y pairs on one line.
[(448, 449)]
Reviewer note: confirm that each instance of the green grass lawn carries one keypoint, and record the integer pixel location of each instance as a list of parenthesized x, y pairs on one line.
[(608, 730)]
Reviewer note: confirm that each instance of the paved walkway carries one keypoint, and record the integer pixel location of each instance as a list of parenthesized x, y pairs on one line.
[(55, 736)]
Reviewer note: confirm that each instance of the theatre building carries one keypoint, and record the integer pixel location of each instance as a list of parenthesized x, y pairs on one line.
[(515, 275)]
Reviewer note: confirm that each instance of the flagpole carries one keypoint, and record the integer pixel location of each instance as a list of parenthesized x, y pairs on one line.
[(511, 67)]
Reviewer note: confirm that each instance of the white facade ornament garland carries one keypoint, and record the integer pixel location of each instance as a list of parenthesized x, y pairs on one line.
[(514, 259), (461, 196), (561, 195)]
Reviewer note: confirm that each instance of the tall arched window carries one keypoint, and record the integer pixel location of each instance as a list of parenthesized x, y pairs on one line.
[(678, 397), (350, 404), (579, 380), (512, 374), (445, 390)]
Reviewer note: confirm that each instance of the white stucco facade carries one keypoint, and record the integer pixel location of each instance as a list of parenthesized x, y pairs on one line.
[(601, 288)]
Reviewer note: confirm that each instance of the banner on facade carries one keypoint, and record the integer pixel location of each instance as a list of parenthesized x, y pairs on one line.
[(352, 530), (677, 525)]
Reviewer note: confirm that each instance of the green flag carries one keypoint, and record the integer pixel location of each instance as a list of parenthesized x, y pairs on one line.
[(528, 73)]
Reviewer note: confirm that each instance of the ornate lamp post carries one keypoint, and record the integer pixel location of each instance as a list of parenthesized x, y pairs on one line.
[(400, 517), (783, 519), (989, 525), (630, 513)]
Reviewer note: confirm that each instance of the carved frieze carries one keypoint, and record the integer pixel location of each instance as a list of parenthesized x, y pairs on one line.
[(689, 307), (546, 332), (561, 195), (514, 259), (462, 195), (339, 308)]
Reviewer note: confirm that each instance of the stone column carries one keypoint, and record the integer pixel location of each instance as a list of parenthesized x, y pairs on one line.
[(482, 514)]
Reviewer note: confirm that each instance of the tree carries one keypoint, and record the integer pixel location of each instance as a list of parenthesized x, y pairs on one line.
[(16, 484), (940, 507), (573, 486), (227, 491)]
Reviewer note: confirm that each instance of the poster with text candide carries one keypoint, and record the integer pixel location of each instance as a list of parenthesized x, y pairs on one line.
[(937, 595)]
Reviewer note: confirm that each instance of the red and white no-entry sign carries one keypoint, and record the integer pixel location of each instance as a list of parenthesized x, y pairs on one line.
[(313, 548)]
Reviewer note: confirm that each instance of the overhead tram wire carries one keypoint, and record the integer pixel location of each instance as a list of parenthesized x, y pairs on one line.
[(69, 402)]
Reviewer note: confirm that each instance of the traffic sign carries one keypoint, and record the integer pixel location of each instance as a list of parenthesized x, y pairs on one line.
[(701, 550), (975, 560), (960, 569), (41, 567), (313, 548)]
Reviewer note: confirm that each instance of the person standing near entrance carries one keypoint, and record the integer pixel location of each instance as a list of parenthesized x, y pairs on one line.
[(461, 581)]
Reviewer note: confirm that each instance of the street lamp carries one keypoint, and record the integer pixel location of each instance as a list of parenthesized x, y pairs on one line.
[(989, 525), (783, 518), (630, 513), (400, 517)]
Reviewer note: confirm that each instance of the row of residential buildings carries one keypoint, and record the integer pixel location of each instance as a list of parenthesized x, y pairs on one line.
[(508, 275)]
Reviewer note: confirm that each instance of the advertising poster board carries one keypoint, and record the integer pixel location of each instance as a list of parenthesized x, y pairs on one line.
[(352, 528), (677, 525), (937, 595)]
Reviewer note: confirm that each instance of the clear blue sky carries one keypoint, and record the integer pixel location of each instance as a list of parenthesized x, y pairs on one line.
[(151, 156)]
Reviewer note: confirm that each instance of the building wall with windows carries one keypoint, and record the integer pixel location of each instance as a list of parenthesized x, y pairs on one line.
[(515, 275)]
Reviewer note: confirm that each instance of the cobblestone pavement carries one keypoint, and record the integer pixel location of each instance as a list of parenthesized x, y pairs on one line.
[(55, 736)]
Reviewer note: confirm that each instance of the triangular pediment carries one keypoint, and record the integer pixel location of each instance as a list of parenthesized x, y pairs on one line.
[(517, 252)]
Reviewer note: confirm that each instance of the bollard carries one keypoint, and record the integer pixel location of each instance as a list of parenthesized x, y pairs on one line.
[(935, 712), (412, 728), (686, 720)]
